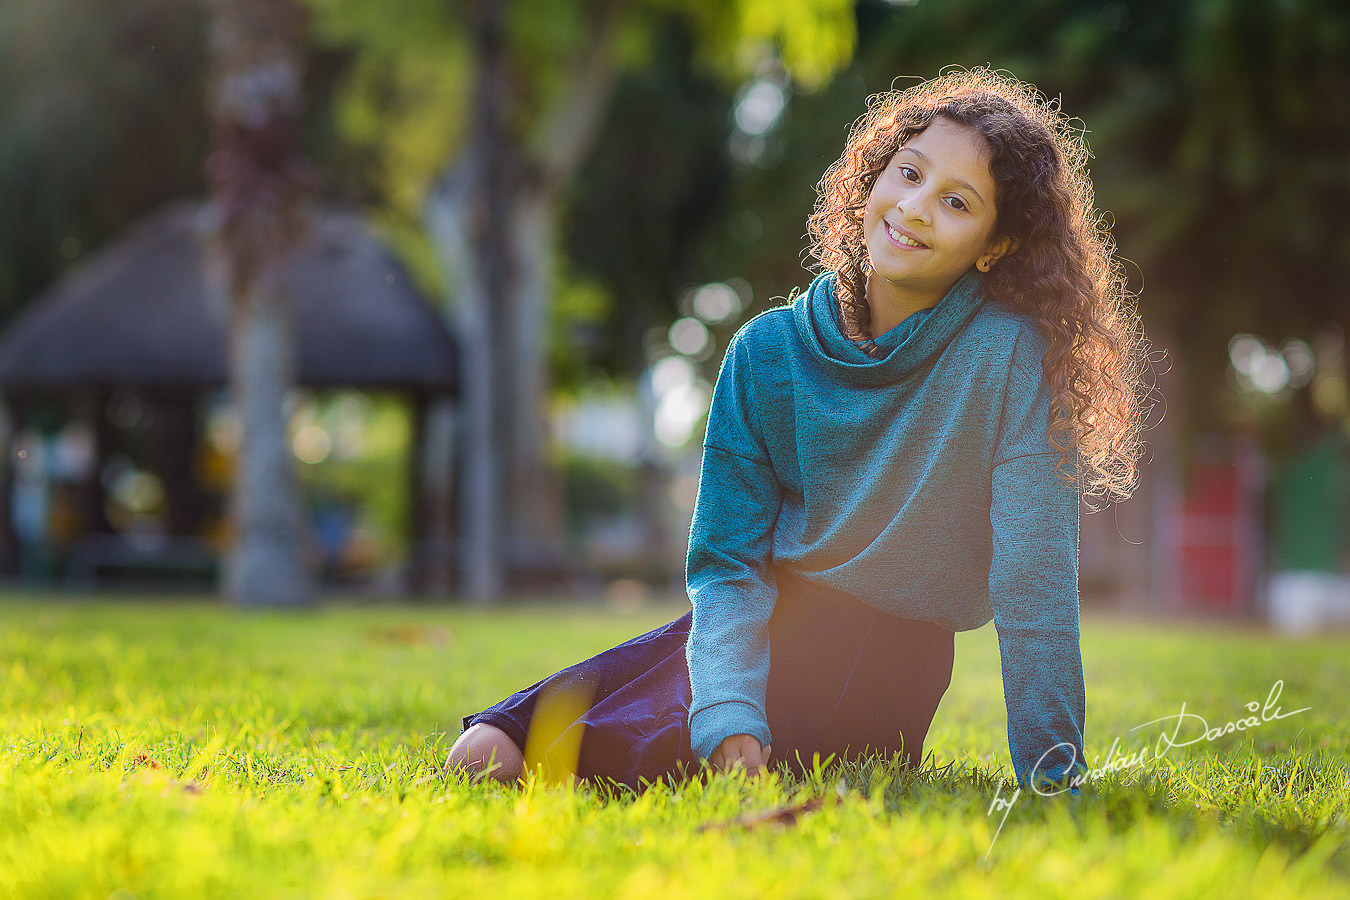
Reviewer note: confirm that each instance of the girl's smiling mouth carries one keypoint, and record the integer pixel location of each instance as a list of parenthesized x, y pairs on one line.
[(903, 238)]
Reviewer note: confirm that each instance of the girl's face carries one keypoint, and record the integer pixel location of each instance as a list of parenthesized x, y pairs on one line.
[(930, 216)]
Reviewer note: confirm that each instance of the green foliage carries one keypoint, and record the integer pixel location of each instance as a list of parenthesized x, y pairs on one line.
[(641, 209), (187, 749), (401, 107), (813, 38), (595, 488), (579, 310), (406, 96), (403, 100), (368, 466), (102, 117)]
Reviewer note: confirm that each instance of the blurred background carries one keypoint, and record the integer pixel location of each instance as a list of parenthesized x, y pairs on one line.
[(530, 228)]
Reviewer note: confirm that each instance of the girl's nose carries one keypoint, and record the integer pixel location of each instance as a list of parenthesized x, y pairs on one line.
[(915, 207)]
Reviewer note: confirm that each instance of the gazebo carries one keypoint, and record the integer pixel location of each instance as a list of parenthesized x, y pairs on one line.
[(137, 320)]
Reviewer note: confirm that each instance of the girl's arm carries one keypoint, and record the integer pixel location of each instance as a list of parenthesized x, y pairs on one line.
[(1033, 581), (728, 575)]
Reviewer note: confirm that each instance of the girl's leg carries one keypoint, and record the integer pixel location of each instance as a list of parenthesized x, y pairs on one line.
[(849, 679), (487, 749), (631, 723)]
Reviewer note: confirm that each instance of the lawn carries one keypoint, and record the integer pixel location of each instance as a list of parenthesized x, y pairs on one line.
[(181, 749)]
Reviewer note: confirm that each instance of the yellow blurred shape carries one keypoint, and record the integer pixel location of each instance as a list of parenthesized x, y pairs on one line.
[(553, 744)]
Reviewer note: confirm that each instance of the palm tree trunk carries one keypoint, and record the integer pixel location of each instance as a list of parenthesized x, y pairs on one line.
[(256, 216)]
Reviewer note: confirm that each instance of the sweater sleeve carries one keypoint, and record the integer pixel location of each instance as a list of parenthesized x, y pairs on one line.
[(1033, 581), (727, 569)]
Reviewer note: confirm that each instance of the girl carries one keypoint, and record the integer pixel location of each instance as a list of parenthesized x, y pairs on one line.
[(896, 454)]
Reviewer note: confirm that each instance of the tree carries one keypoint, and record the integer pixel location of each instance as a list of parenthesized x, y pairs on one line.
[(541, 74), (258, 192)]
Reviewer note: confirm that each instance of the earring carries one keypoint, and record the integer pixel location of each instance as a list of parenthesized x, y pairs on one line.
[(984, 265)]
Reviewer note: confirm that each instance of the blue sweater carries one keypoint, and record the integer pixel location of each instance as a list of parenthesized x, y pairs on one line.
[(922, 482)]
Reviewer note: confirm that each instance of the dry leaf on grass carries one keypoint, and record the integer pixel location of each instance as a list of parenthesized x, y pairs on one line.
[(784, 815), (411, 635), (150, 772)]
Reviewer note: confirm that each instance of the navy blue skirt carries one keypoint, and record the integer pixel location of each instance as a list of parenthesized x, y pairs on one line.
[(844, 678)]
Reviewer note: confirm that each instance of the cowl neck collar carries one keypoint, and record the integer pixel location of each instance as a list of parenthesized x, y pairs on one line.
[(905, 347)]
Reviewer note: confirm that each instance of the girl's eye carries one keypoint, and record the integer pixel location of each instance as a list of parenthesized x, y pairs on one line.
[(909, 173), (957, 204)]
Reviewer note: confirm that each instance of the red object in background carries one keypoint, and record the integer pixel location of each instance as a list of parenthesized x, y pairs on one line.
[(1219, 538)]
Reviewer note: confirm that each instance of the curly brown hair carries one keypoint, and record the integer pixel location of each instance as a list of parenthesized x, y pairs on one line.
[(1062, 272)]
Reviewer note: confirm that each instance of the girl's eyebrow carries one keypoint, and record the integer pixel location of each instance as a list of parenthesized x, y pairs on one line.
[(958, 182)]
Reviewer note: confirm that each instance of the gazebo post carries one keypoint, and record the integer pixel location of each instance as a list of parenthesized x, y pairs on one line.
[(177, 454), (438, 465), (431, 476), (11, 412), (418, 557), (94, 512)]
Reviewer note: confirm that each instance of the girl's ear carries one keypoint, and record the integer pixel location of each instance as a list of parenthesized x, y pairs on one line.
[(998, 248)]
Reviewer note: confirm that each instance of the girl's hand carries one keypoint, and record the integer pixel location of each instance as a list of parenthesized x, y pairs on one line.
[(740, 750)]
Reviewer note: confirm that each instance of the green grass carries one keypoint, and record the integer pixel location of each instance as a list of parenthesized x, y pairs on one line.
[(183, 749)]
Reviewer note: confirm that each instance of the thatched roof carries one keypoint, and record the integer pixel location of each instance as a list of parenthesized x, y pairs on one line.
[(137, 316)]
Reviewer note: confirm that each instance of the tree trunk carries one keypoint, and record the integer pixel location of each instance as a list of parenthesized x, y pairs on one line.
[(256, 216), (510, 505), (491, 217), (535, 521), (266, 563), (449, 214)]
